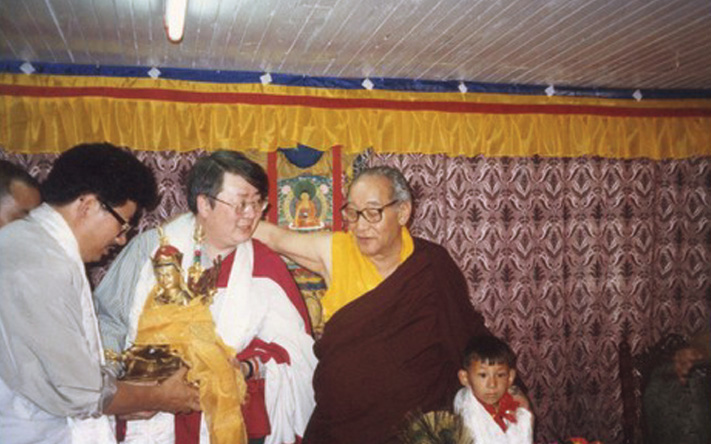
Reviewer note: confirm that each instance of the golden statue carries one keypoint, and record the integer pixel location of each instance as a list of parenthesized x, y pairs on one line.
[(176, 324), (170, 287)]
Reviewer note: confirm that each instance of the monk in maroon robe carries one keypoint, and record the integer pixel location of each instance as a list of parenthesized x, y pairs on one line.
[(398, 316), (394, 350)]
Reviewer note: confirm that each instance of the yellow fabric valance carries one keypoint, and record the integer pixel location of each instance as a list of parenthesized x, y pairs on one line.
[(51, 113)]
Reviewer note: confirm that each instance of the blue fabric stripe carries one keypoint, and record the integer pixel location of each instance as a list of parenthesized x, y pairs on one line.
[(388, 84)]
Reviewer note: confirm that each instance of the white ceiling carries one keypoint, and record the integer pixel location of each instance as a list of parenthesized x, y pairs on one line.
[(584, 43)]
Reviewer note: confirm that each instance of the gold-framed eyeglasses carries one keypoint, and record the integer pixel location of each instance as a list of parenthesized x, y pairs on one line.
[(241, 206), (125, 225), (372, 215)]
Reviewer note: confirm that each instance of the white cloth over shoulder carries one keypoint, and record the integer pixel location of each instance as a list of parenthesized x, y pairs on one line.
[(52, 380), (484, 429), (247, 308)]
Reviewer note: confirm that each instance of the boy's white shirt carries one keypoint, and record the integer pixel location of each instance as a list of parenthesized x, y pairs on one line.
[(484, 430)]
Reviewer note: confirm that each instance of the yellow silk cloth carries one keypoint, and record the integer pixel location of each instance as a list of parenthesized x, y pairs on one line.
[(190, 330), (353, 274), (51, 113)]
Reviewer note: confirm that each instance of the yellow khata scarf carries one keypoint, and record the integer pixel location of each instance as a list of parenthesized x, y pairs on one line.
[(190, 330), (353, 273)]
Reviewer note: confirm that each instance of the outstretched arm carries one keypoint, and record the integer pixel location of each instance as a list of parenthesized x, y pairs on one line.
[(311, 251)]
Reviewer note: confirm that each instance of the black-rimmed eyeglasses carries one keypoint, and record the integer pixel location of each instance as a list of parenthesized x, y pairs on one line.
[(372, 215), (125, 225), (240, 207)]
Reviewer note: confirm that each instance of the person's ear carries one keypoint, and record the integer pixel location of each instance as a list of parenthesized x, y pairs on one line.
[(204, 206), (512, 377), (86, 204), (463, 377), (404, 212)]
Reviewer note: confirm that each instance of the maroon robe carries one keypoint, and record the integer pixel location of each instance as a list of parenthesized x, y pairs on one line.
[(394, 350)]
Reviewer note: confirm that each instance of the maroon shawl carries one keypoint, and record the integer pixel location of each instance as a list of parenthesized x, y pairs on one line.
[(394, 350)]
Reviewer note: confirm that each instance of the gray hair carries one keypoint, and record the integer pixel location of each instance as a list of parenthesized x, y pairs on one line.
[(400, 188)]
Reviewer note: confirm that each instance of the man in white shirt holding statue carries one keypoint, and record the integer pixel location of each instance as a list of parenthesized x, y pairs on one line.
[(257, 310)]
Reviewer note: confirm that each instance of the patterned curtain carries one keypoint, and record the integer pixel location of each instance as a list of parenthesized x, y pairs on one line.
[(565, 257)]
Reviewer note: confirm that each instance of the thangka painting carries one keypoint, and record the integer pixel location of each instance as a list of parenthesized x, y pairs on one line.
[(305, 203), (308, 198)]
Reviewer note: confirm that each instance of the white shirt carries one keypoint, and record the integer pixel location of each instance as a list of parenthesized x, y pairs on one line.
[(51, 360), (482, 427)]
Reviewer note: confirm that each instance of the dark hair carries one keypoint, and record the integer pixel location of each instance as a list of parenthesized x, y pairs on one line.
[(112, 173), (9, 172), (488, 349), (400, 188), (207, 175)]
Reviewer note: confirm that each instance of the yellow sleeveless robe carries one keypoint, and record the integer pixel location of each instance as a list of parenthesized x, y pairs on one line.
[(353, 274)]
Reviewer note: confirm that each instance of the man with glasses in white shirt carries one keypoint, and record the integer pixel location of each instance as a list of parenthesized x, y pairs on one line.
[(257, 310), (55, 385)]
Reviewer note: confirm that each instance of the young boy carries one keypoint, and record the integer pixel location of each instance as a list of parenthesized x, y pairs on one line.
[(489, 412)]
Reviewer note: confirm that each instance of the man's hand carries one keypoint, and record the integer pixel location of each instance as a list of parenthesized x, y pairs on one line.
[(243, 367), (176, 395)]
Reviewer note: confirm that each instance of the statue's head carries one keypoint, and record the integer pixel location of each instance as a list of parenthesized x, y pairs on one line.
[(167, 255), (167, 262), (166, 266)]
